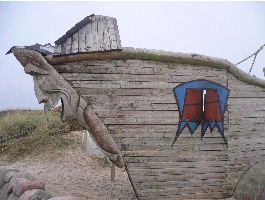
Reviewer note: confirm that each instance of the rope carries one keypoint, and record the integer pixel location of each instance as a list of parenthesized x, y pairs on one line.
[(255, 56), (18, 135)]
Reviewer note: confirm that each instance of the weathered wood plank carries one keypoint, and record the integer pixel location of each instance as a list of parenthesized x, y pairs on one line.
[(246, 127), (58, 49), (179, 158), (106, 36), (235, 84), (245, 93), (154, 130), (94, 26), (183, 140), (89, 38), (141, 147), (117, 35), (68, 45), (174, 184), (248, 160), (255, 137), (239, 138), (175, 153), (142, 117), (135, 77), (166, 98), (140, 67), (248, 120), (176, 171), (241, 155), (143, 79), (180, 177), (243, 114), (63, 48), (130, 105), (75, 43), (82, 39), (136, 119), (161, 165), (123, 92), (213, 195), (180, 190), (245, 102), (125, 84), (242, 87), (100, 34), (112, 34)]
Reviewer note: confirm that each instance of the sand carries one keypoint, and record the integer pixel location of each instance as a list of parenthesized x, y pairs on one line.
[(73, 172)]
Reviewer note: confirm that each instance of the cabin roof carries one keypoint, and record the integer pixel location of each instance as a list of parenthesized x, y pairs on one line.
[(75, 28), (45, 50)]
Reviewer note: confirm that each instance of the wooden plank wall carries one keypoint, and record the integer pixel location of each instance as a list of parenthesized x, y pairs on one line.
[(246, 127), (101, 34), (135, 100)]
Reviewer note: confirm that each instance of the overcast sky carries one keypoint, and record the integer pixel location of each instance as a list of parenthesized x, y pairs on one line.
[(230, 30)]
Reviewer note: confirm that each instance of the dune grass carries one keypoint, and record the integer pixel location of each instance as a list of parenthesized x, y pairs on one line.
[(48, 134)]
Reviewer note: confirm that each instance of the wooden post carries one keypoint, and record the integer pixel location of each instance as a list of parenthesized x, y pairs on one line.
[(112, 172), (84, 141)]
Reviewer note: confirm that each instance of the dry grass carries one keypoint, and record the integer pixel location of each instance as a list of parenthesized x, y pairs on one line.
[(48, 135), (102, 161)]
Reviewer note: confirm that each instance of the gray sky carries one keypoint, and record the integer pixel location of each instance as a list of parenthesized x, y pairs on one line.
[(230, 30)]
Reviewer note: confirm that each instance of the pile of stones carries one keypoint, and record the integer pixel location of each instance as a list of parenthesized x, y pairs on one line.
[(16, 185)]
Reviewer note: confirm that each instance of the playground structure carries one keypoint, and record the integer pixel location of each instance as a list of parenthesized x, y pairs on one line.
[(124, 97)]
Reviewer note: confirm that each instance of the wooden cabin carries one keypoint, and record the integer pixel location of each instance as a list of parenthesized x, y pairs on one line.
[(131, 91)]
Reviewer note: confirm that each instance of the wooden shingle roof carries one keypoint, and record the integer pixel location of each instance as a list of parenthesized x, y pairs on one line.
[(74, 29)]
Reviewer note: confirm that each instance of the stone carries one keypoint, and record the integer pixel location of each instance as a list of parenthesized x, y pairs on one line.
[(252, 183), (3, 171), (4, 192), (5, 167), (17, 179), (10, 174), (28, 185), (35, 194), (15, 182), (12, 196), (23, 175), (64, 198)]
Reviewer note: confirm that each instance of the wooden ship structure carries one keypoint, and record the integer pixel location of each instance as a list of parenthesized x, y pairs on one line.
[(125, 98)]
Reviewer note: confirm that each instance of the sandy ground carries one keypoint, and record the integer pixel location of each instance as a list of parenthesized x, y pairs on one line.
[(73, 172)]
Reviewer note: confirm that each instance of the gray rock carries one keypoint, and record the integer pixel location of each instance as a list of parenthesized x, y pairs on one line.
[(10, 174), (35, 194), (23, 175), (3, 172), (14, 183), (12, 196), (17, 178), (252, 184), (64, 198), (4, 192), (22, 187)]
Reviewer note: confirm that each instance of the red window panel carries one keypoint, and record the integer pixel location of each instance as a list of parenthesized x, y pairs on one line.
[(193, 106), (212, 109)]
